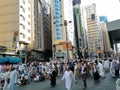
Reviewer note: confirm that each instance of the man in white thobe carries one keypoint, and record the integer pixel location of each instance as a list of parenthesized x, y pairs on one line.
[(101, 69), (69, 78), (106, 65), (6, 77), (13, 80)]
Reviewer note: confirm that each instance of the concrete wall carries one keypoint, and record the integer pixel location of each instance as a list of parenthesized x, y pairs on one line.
[(8, 21)]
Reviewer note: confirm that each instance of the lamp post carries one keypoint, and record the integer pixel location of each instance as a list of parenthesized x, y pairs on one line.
[(65, 24)]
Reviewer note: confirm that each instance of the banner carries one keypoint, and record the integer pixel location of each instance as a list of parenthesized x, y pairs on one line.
[(65, 45)]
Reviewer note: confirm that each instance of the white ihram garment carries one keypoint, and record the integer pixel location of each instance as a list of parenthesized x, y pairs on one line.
[(101, 70), (69, 79)]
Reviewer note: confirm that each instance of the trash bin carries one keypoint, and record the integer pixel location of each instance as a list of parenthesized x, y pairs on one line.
[(118, 84)]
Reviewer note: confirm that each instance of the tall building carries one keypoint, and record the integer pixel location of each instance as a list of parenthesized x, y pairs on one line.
[(62, 28), (37, 44), (95, 42), (80, 29), (106, 41), (22, 22), (47, 29), (15, 24)]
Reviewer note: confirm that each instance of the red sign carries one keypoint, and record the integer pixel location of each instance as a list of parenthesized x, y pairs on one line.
[(16, 33), (65, 46)]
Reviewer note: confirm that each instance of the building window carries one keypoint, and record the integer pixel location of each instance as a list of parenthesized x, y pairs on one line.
[(28, 1), (23, 18), (93, 16), (22, 9), (28, 23), (23, 26), (23, 1), (29, 8), (29, 38), (23, 35), (29, 15), (29, 30)]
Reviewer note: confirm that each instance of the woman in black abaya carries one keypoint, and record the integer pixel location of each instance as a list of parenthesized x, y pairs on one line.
[(53, 78)]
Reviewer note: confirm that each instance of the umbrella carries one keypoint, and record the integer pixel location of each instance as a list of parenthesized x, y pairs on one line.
[(3, 60)]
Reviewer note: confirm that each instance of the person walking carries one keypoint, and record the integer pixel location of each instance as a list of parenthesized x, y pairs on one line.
[(53, 77), (96, 74), (13, 79), (84, 74), (116, 67), (69, 78), (101, 69), (7, 79)]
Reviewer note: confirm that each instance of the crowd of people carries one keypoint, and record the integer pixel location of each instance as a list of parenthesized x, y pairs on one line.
[(22, 74)]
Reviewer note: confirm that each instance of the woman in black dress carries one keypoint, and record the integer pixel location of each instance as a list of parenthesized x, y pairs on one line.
[(53, 78)]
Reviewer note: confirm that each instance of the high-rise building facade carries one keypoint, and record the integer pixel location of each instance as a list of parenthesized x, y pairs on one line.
[(62, 33), (15, 23), (37, 45), (95, 42), (21, 26), (106, 41), (47, 29), (80, 30), (47, 25)]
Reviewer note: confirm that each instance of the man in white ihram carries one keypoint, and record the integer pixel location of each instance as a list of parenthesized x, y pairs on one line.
[(69, 78), (13, 79)]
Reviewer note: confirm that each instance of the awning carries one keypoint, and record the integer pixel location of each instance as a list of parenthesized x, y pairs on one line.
[(3, 60), (14, 59)]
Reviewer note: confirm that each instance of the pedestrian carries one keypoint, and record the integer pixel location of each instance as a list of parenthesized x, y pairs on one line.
[(13, 79), (91, 69), (116, 67), (96, 74), (61, 68), (112, 69), (7, 79), (69, 78), (53, 77), (106, 65), (84, 74), (101, 69)]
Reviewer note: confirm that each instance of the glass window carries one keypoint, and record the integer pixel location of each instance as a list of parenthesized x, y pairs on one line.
[(22, 8), (28, 23), (29, 38), (28, 1), (23, 26), (29, 15), (23, 35), (23, 1), (29, 8), (23, 18), (39, 7), (29, 30)]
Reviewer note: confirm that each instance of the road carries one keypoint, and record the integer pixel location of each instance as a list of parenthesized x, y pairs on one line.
[(107, 83)]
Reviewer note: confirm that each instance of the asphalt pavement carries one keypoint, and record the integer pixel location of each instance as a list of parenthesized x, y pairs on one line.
[(107, 83)]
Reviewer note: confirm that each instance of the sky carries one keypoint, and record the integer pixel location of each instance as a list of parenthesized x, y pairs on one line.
[(109, 8)]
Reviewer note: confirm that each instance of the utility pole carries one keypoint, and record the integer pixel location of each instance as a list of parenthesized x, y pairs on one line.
[(65, 24)]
